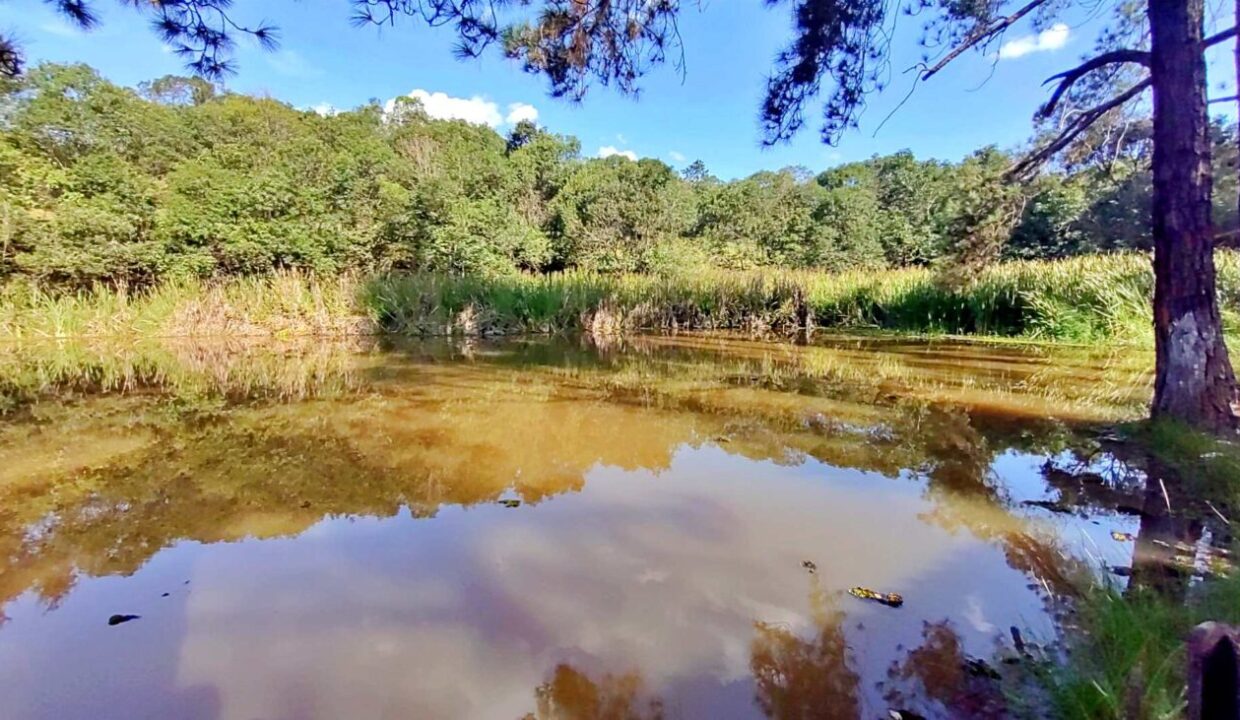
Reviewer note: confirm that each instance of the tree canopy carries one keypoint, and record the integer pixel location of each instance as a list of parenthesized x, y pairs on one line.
[(176, 178)]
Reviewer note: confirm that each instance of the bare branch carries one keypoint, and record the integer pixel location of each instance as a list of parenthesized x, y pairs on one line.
[(1229, 98), (1068, 78), (1219, 37), (1078, 125), (981, 36)]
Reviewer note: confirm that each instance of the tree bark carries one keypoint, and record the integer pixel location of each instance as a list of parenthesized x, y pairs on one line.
[(1194, 381)]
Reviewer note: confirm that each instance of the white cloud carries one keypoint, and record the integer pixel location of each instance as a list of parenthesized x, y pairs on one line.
[(442, 106), (477, 110), (1052, 38), (325, 109), (677, 157), (521, 111), (290, 63), (608, 151), (620, 137)]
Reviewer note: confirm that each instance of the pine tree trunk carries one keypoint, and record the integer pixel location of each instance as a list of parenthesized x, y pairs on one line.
[(1194, 381)]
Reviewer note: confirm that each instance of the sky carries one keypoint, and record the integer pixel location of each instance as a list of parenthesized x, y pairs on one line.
[(708, 112)]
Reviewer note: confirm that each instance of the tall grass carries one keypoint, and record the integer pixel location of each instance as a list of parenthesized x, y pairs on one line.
[(1086, 299), (273, 305)]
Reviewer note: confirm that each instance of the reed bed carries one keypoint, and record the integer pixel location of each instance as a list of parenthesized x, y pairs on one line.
[(279, 304), (1103, 298)]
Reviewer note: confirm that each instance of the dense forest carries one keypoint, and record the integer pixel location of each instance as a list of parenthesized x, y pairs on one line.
[(106, 184)]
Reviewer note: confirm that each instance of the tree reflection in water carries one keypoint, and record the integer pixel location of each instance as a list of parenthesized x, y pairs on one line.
[(806, 678), (794, 678), (571, 695), (106, 460), (937, 671)]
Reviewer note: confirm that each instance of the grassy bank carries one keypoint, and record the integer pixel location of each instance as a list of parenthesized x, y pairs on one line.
[(1086, 299), (1127, 652), (1129, 658)]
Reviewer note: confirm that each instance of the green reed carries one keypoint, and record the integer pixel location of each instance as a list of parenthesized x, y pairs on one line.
[(1085, 299)]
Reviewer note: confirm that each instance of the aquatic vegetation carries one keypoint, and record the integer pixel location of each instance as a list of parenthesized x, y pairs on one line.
[(1084, 299), (1090, 299), (276, 304)]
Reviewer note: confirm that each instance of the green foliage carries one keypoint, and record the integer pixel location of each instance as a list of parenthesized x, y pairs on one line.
[(102, 184), (897, 199), (776, 219), (1049, 226), (612, 214), (1130, 654), (483, 237), (1127, 657), (1085, 300)]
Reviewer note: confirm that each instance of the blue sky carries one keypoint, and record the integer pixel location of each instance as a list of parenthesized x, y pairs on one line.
[(709, 113)]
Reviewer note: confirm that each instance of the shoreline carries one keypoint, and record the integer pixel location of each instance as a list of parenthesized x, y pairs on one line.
[(1086, 301)]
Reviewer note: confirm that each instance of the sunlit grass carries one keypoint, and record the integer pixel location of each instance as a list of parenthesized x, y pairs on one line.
[(1086, 299), (276, 304), (1128, 657)]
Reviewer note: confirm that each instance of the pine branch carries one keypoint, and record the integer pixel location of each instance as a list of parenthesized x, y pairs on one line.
[(1078, 125), (1069, 77), (981, 36), (1219, 37)]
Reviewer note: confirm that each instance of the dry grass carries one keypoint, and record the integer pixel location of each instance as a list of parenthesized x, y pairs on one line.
[(281, 304)]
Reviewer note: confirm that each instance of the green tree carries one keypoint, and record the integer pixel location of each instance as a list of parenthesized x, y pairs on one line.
[(905, 199), (612, 214)]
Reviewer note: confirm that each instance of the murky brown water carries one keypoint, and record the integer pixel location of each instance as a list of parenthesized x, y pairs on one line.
[(661, 528)]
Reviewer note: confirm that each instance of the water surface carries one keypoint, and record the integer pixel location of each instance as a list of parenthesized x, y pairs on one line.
[(664, 527)]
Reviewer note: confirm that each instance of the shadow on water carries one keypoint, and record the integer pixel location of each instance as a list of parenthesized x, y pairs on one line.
[(377, 527)]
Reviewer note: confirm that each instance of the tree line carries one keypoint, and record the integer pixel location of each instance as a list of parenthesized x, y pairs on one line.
[(106, 184)]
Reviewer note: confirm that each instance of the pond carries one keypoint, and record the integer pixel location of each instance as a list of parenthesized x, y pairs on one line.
[(547, 528)]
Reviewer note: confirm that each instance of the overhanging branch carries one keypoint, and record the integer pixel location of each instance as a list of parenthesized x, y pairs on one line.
[(1068, 78), (1078, 125), (1083, 121), (1219, 37), (980, 36)]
